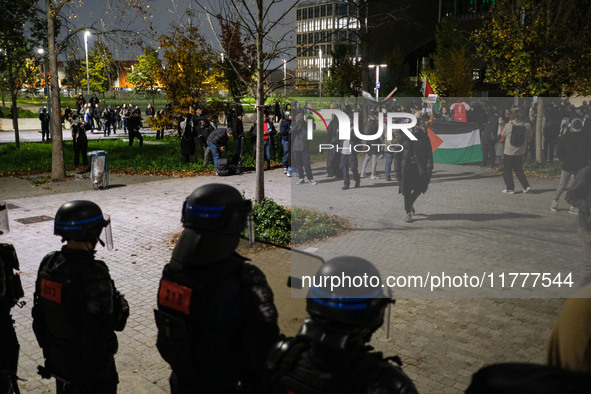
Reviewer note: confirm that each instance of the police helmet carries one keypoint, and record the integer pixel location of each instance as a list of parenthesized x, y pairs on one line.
[(82, 220), (216, 208), (358, 299)]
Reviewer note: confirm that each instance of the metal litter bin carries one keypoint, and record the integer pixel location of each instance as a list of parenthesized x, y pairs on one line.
[(99, 169)]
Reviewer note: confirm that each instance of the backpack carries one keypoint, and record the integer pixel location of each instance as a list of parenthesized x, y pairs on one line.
[(517, 136), (225, 168)]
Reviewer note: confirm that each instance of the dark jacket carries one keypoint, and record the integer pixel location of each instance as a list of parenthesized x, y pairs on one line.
[(78, 133), (237, 127), (579, 196), (134, 123), (218, 137), (573, 150), (416, 162), (75, 310), (299, 136), (490, 132), (229, 319), (285, 129)]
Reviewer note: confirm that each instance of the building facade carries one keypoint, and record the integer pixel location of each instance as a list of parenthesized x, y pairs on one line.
[(320, 25)]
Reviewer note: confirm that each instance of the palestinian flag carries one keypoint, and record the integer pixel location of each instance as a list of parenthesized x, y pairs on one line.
[(455, 142)]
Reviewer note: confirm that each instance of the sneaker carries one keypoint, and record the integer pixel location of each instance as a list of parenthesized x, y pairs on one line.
[(374, 177), (312, 182), (388, 179), (573, 210), (408, 218), (554, 206), (508, 191), (285, 170), (345, 187), (361, 175), (300, 182), (288, 174), (527, 189), (412, 210), (357, 184)]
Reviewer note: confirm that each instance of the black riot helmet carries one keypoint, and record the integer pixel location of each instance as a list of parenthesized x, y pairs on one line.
[(213, 216), (82, 220), (216, 208), (346, 302)]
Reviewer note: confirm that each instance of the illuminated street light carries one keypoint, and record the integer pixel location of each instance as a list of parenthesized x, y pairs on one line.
[(377, 67), (86, 34)]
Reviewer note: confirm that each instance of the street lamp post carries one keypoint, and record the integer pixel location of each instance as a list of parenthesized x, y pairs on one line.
[(377, 67), (320, 68), (41, 52), (86, 34)]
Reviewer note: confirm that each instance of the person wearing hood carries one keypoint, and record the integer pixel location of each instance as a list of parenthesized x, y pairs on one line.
[(416, 165), (80, 141), (573, 150), (216, 317)]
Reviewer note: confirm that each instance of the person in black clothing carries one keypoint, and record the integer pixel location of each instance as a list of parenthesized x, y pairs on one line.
[(285, 135), (44, 118), (416, 166), (300, 150), (80, 141), (330, 354), (489, 137), (94, 100), (68, 115), (10, 292), (216, 317), (204, 129), (77, 308), (80, 104), (573, 151), (134, 123), (217, 141), (238, 130), (333, 158), (187, 141)]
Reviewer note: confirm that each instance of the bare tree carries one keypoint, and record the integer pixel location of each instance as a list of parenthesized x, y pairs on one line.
[(263, 20), (60, 13)]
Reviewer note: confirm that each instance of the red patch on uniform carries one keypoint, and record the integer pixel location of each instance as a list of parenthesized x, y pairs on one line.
[(51, 291), (174, 296)]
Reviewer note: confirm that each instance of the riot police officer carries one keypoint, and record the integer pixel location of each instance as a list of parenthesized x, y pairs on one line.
[(77, 308), (216, 317), (329, 354), (11, 291)]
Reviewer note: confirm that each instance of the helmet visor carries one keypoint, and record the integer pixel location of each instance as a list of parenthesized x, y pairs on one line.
[(108, 232), (4, 228), (248, 232)]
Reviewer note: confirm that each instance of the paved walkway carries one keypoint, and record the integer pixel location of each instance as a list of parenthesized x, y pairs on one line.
[(464, 223)]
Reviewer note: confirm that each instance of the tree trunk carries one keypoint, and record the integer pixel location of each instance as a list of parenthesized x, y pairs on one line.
[(14, 110), (13, 107), (539, 129), (260, 109), (58, 170)]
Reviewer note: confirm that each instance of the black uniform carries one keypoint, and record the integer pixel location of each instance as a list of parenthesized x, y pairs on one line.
[(76, 313), (80, 142), (10, 291), (134, 123), (216, 324), (303, 367)]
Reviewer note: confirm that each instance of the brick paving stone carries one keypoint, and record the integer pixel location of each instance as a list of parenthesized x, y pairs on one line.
[(464, 224)]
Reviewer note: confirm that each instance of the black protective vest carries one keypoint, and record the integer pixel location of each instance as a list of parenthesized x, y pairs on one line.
[(76, 311), (202, 316), (296, 370)]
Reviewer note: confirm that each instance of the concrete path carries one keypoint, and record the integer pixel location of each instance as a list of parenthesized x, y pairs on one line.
[(464, 224)]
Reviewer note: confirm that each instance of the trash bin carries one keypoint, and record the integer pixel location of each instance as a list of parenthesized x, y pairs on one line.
[(99, 169)]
